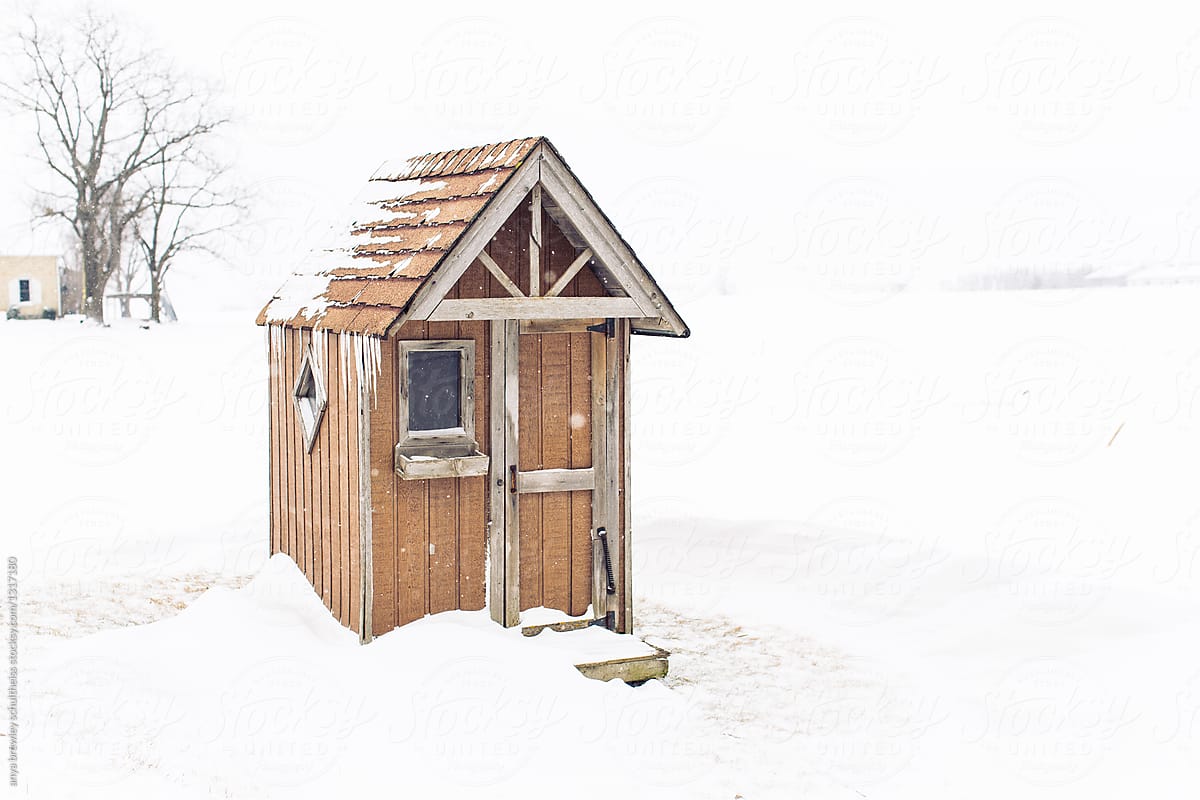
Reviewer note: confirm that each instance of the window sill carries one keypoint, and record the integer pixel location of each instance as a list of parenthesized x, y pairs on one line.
[(421, 468)]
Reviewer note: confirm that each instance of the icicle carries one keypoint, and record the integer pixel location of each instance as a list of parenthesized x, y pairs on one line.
[(346, 348), (277, 341), (366, 360), (318, 344)]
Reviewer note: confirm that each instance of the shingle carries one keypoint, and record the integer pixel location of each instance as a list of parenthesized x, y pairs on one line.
[(392, 245)]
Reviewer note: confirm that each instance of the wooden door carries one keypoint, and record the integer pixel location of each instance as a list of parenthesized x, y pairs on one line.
[(549, 456)]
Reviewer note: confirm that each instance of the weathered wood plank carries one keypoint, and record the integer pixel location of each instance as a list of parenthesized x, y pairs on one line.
[(443, 503), (383, 493), (559, 325), (499, 275), (581, 458), (274, 516), (321, 464), (412, 550), (512, 421), (601, 505), (289, 449), (420, 468), (305, 469), (535, 241), (623, 334), (443, 544), (281, 443), (586, 284), (472, 492), (344, 489), (536, 308), (558, 627), (278, 469), (556, 480), (498, 474), (366, 556), (354, 483), (295, 498), (631, 670), (349, 481), (576, 265), (345, 496), (312, 502), (328, 483), (412, 532), (612, 457), (334, 441), (529, 457), (556, 455)]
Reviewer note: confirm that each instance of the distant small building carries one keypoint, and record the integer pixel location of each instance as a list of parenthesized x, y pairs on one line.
[(32, 285)]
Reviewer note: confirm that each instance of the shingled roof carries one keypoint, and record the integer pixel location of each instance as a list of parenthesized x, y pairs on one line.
[(400, 231)]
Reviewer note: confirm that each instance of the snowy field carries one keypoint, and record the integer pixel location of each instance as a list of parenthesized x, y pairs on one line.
[(938, 545)]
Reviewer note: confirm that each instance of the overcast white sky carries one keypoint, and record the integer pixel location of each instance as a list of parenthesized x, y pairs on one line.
[(848, 139)]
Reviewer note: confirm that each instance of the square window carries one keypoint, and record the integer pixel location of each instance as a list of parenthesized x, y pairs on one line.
[(437, 404), (434, 389), (309, 399)]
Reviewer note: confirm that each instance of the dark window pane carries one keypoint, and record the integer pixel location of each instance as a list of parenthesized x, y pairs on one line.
[(23, 288), (433, 390)]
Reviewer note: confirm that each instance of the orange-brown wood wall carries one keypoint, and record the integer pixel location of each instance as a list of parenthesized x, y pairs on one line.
[(428, 537), (556, 433), (314, 494)]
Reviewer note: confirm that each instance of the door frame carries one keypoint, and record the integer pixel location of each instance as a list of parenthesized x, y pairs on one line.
[(504, 547)]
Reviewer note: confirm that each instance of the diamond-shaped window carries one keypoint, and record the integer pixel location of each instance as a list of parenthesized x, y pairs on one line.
[(309, 399)]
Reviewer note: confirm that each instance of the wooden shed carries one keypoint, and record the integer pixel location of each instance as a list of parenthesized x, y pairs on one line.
[(449, 395)]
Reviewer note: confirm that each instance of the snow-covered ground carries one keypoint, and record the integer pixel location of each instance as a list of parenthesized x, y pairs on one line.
[(935, 545)]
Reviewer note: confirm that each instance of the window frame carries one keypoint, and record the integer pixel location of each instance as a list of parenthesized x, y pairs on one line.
[(319, 399), (24, 287), (445, 443)]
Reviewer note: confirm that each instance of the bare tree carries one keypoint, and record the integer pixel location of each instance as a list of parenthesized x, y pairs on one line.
[(125, 278), (183, 204), (106, 115)]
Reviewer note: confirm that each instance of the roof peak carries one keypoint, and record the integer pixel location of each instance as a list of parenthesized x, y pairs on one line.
[(465, 160)]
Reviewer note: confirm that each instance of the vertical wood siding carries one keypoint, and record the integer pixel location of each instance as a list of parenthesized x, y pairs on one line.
[(436, 542), (581, 457), (334, 442), (429, 538), (383, 492), (274, 378), (625, 574), (314, 494)]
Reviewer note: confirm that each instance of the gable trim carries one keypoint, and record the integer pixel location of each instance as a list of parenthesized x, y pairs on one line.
[(471, 243), (536, 308), (573, 270), (611, 250), (544, 168)]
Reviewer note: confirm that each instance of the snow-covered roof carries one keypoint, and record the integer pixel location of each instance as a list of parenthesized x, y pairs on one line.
[(399, 229), (411, 224)]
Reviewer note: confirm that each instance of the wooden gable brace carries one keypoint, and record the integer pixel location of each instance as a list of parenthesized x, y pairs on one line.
[(576, 204), (544, 173), (471, 243)]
